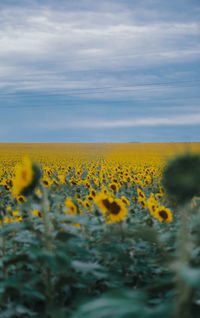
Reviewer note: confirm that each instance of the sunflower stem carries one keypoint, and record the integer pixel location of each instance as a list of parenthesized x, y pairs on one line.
[(46, 220), (4, 268), (3, 244), (121, 227), (47, 242), (184, 291)]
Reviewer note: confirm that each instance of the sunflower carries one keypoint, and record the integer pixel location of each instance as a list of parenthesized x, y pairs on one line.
[(104, 190), (21, 199), (93, 193), (90, 198), (23, 176), (114, 187), (6, 184), (147, 180), (115, 180), (96, 181), (46, 182), (36, 213), (16, 216), (141, 195), (193, 203), (99, 200), (142, 202), (7, 220), (38, 192), (87, 205), (152, 204), (70, 207), (159, 195), (54, 181), (163, 214), (88, 185), (27, 176), (114, 210), (125, 200)]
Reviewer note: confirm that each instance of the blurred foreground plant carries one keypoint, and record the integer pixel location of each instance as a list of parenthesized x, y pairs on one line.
[(181, 180), (27, 176)]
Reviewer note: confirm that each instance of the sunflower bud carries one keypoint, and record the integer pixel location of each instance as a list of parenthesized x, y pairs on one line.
[(181, 178)]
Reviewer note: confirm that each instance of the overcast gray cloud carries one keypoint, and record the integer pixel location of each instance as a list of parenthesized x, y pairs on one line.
[(97, 65), (42, 48)]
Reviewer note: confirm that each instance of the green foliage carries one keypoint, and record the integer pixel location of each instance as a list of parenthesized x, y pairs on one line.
[(122, 304), (50, 267)]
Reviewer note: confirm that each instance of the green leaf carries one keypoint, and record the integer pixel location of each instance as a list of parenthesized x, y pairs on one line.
[(115, 305), (190, 275)]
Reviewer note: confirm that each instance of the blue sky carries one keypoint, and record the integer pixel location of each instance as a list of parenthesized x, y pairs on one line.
[(99, 71)]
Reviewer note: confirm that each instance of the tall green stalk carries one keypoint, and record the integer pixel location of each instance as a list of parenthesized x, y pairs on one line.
[(184, 291), (47, 243), (3, 248)]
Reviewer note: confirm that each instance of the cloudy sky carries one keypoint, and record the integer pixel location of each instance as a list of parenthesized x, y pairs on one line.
[(99, 71)]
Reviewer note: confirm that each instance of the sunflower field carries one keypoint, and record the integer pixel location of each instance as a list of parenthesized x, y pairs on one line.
[(100, 230)]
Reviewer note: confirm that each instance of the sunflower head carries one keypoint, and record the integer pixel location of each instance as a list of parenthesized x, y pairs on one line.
[(152, 204), (104, 190), (114, 210), (70, 207), (125, 200), (36, 213), (46, 182), (114, 187), (141, 194), (142, 202), (163, 214), (93, 193), (181, 178), (21, 199), (27, 176), (87, 205)]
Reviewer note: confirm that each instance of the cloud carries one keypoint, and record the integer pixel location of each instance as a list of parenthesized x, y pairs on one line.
[(44, 47), (93, 123), (84, 61)]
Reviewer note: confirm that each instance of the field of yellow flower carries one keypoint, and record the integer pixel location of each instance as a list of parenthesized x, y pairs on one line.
[(98, 222), (116, 178)]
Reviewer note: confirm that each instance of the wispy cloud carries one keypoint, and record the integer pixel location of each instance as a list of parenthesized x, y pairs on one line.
[(177, 120)]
